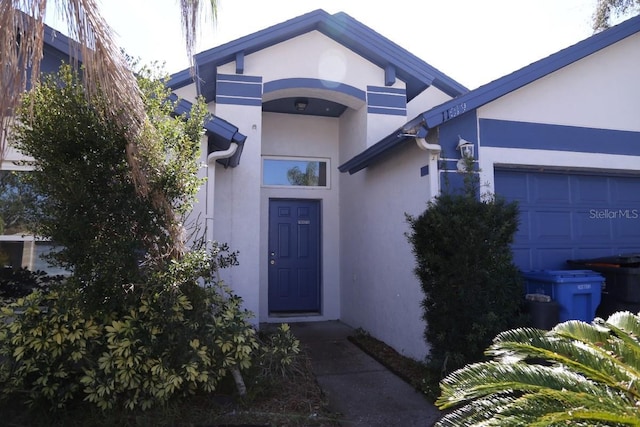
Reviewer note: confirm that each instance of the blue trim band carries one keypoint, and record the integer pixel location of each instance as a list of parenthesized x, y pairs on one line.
[(386, 100), (508, 134), (387, 111), (238, 101), (239, 89), (388, 90), (239, 78), (345, 30)]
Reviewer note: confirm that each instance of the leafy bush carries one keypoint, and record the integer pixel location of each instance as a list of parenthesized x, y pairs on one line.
[(108, 231), (472, 289), (278, 352), (576, 374), (20, 282), (140, 319), (172, 338)]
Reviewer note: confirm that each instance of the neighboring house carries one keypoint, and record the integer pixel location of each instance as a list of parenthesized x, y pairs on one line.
[(325, 134), (17, 247)]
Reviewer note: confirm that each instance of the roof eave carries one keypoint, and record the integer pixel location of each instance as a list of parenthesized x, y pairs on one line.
[(417, 74), (373, 153), (528, 74), (470, 101)]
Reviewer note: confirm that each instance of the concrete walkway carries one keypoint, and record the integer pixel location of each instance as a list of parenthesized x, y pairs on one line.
[(361, 390)]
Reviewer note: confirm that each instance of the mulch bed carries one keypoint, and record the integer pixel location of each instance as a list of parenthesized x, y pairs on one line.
[(411, 371)]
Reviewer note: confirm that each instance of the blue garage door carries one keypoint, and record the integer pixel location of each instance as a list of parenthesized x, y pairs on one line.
[(571, 215)]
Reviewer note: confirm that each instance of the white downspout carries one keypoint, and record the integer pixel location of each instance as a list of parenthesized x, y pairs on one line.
[(434, 174), (424, 145), (211, 185)]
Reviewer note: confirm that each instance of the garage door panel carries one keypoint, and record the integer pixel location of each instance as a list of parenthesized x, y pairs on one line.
[(589, 190), (593, 252), (589, 229), (552, 225), (571, 216), (522, 256), (515, 188), (624, 193), (553, 257), (550, 190), (524, 226), (627, 229)]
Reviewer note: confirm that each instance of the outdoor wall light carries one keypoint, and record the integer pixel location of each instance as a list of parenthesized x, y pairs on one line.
[(466, 152), (301, 104)]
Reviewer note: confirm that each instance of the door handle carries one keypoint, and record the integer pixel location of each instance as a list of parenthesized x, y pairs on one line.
[(272, 262)]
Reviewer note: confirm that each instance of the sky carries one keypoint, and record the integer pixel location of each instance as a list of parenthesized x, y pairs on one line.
[(471, 41)]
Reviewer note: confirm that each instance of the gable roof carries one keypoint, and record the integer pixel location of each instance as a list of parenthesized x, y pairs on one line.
[(476, 98), (340, 27)]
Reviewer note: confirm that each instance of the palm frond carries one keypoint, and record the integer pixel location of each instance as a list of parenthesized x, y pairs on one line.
[(625, 326), (481, 412), (543, 408), (191, 10), (590, 350), (486, 378), (104, 67), (577, 374), (588, 417)]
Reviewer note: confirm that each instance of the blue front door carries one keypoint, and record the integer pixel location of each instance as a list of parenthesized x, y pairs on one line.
[(294, 256)]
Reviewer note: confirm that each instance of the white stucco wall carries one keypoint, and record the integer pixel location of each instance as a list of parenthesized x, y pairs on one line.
[(429, 98), (599, 91), (188, 93), (312, 55), (237, 205), (307, 137), (380, 292)]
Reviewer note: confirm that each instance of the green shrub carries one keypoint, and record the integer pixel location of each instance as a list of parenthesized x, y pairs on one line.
[(278, 352), (20, 282), (44, 342), (472, 289), (171, 338), (139, 320), (107, 231)]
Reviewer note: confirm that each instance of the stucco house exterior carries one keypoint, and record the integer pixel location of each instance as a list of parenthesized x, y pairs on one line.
[(324, 134), (380, 129)]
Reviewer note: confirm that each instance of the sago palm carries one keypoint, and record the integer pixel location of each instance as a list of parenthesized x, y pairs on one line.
[(576, 374)]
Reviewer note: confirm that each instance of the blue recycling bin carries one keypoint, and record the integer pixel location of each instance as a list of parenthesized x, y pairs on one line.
[(576, 291)]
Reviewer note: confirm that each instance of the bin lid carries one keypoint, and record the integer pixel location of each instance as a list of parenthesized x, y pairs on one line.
[(564, 276), (623, 260)]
